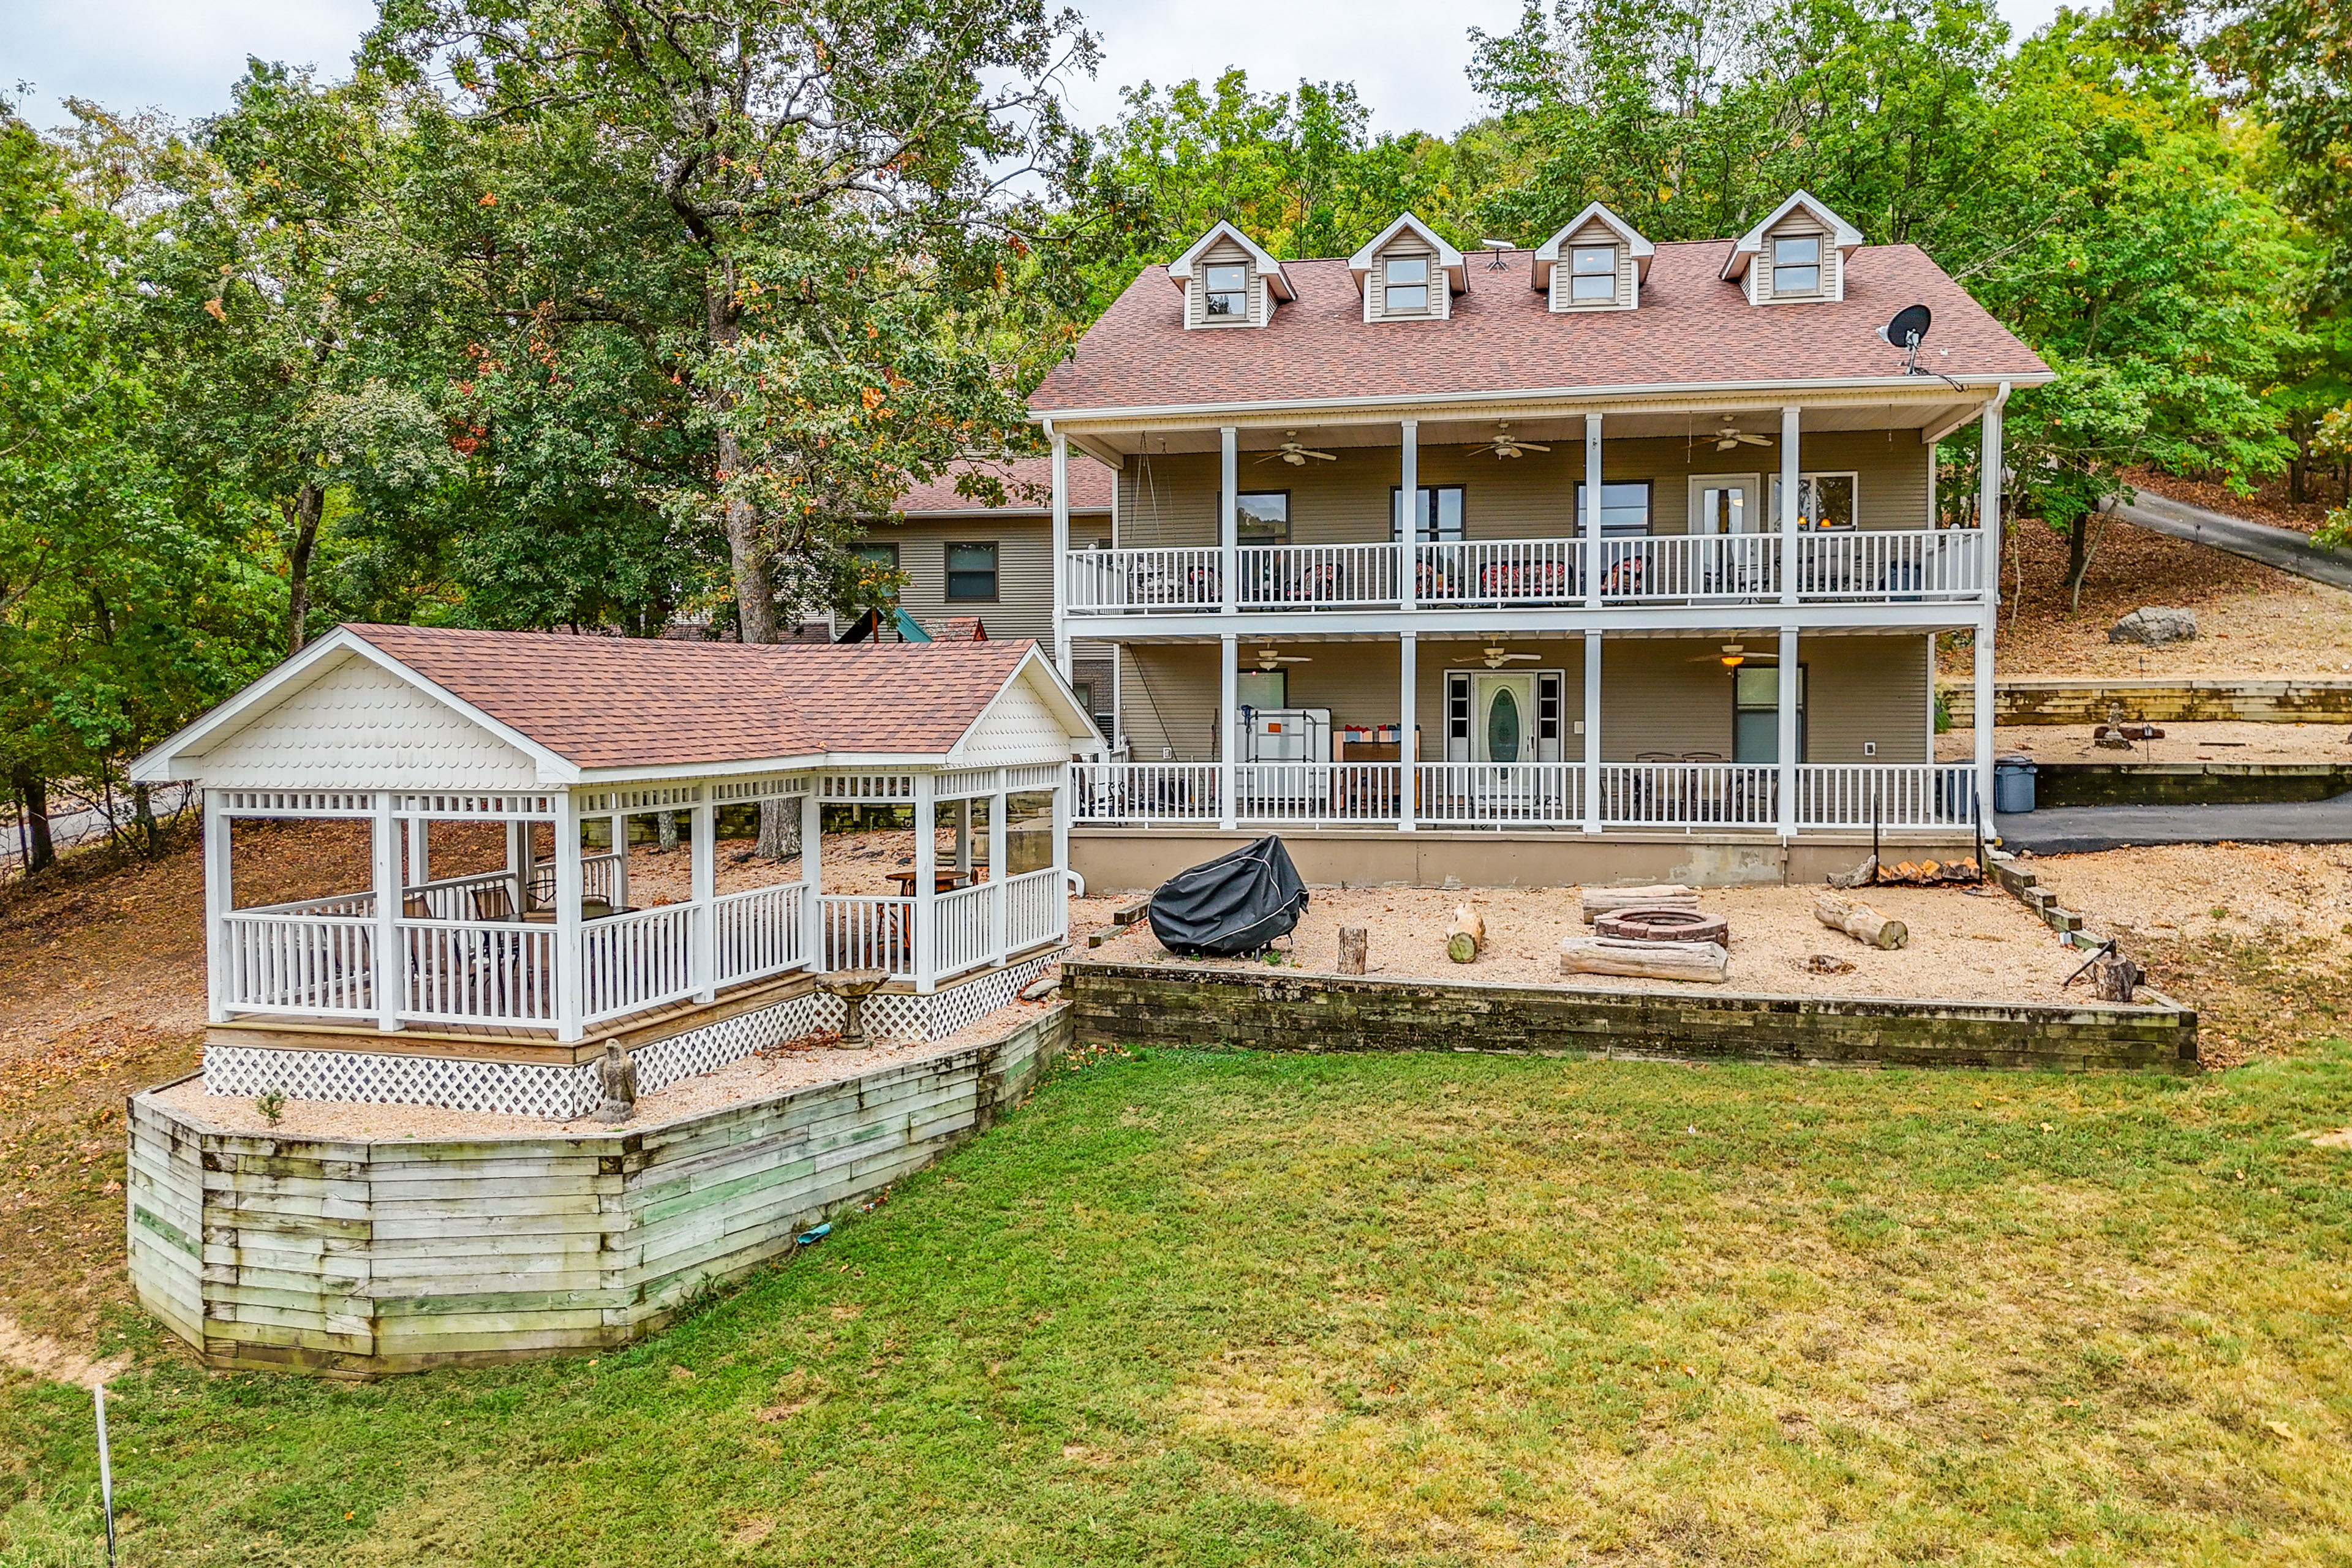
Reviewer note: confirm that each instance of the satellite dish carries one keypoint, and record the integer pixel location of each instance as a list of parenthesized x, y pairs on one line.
[(1499, 248), (1904, 332)]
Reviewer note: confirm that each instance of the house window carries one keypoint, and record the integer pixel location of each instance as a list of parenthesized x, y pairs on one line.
[(1551, 686), (972, 572), (1261, 517), (1592, 273), (1797, 265), (1624, 508), (1823, 501), (1439, 507), (877, 569), (1457, 710), (1755, 713), (1228, 290), (1407, 284)]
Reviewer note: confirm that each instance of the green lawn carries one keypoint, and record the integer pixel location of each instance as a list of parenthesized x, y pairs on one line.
[(1210, 1309)]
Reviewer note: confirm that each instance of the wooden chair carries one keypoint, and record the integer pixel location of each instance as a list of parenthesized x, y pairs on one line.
[(494, 903)]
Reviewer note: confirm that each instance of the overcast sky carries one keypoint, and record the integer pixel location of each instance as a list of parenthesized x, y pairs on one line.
[(180, 56)]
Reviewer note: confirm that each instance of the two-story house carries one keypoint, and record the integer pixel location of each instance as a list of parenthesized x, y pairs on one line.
[(1604, 558)]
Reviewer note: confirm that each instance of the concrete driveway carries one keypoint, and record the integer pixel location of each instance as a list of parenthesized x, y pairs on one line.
[(2079, 829)]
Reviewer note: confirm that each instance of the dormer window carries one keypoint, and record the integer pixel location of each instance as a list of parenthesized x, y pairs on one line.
[(1408, 285), (1592, 274), (1228, 290), (1797, 264)]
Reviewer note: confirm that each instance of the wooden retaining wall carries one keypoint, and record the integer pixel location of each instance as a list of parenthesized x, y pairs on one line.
[(2187, 783), (357, 1258), (2061, 700), (1266, 1009)]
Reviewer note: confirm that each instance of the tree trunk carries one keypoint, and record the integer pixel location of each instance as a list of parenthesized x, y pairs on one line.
[(33, 799), (1354, 944), (1659, 896), (142, 814), (2078, 558), (747, 550), (780, 829), (1860, 922), (302, 517), (1701, 961), (1466, 935)]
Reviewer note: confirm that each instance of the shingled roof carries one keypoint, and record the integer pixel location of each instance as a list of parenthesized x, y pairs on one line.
[(1028, 487), (1693, 328)]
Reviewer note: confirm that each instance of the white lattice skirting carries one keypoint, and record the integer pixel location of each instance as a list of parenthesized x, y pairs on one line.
[(567, 1093)]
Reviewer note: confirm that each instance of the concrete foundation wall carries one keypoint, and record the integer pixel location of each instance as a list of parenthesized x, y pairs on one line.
[(1117, 860), (1263, 1009), (358, 1258)]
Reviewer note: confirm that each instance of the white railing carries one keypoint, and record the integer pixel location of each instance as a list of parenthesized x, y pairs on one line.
[(357, 905), (298, 963), (641, 960), (1143, 792), (1499, 572), (1681, 794), (1939, 564), (1318, 792), (864, 932), (1308, 576), (1683, 567), (757, 933), (1917, 794), (1183, 578), (599, 877), (452, 898), (1855, 565), (469, 972), (1035, 908), (960, 938), (1539, 795)]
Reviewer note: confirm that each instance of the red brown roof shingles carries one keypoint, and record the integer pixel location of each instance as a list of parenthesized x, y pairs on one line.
[(1028, 487), (625, 703), (1692, 328)]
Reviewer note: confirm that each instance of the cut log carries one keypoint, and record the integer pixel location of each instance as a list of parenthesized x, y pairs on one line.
[(1828, 964), (1653, 925), (1860, 922), (1466, 935), (1355, 941), (2115, 979), (1701, 961), (1861, 876), (1664, 896)]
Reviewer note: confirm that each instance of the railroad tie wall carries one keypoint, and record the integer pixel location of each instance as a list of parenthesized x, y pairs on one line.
[(363, 1258)]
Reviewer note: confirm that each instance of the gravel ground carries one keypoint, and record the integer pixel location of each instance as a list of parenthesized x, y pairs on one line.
[(2291, 892), (1966, 945), (2216, 743)]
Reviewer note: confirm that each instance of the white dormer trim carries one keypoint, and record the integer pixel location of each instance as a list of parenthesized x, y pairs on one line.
[(1633, 268), (1408, 240), (1267, 283), (1841, 238)]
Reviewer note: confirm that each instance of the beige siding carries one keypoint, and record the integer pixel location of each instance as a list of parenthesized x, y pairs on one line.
[(1866, 689), (1797, 222), (1663, 695), (1196, 292), (1172, 500), (1405, 246), (1168, 696), (1594, 233), (1023, 606)]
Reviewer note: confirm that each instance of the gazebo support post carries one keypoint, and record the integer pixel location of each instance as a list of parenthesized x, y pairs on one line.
[(386, 970), (620, 860), (999, 911), (1060, 797), (705, 850), (219, 900), (570, 958), (518, 852), (927, 897), (420, 851), (812, 878)]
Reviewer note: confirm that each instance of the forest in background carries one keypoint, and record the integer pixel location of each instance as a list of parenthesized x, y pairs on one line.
[(607, 314)]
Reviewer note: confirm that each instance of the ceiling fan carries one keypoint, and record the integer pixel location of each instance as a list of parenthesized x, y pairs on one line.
[(1268, 658), (1733, 656), (1503, 444), (1498, 657), (1731, 435), (1291, 452)]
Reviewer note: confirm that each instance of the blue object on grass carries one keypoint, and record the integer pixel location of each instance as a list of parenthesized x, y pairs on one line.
[(811, 1237)]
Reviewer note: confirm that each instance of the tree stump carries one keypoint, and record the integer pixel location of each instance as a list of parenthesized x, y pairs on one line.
[(1355, 943), (1466, 935), (1860, 922), (2115, 978)]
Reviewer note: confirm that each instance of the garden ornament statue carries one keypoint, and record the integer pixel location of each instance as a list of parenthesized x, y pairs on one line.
[(854, 986), (617, 1075)]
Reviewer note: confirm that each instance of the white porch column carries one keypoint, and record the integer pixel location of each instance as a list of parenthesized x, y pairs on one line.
[(1989, 459), (1789, 675), (1789, 469), (704, 839), (1592, 512), (1408, 533), (519, 862), (570, 959), (387, 968), (1408, 681), (1982, 728), (1229, 504), (1058, 804), (620, 860), (927, 869), (420, 852), (1228, 729), (1593, 731), (220, 898), (963, 836), (997, 929), (812, 879), (1061, 553)]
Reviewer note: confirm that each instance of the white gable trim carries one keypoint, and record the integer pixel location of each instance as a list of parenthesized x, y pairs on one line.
[(1547, 252), (180, 755), (1039, 673), (1749, 246), (1457, 276), (1180, 271)]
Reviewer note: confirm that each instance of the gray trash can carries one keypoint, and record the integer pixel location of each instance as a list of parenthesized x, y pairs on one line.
[(2012, 784)]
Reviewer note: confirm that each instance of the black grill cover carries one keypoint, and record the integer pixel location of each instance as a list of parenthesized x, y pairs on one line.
[(1235, 903)]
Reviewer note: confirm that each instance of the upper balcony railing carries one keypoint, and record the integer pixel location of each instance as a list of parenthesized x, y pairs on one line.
[(1851, 566)]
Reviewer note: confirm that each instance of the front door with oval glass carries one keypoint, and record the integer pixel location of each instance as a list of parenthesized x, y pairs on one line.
[(1503, 721)]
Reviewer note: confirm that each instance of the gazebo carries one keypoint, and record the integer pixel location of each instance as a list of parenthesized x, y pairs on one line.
[(493, 986)]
